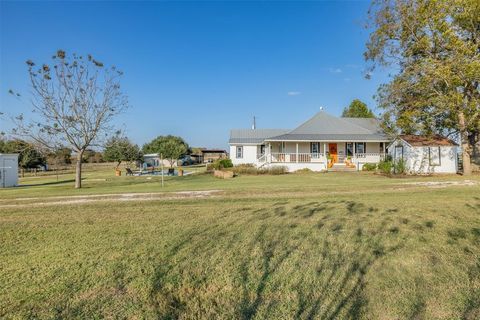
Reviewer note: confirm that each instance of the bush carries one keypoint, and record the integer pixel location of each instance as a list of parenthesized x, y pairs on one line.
[(251, 169), (220, 164), (304, 170), (385, 166), (275, 170), (369, 167), (244, 169), (400, 167)]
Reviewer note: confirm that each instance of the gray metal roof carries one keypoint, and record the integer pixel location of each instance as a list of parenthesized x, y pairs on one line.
[(371, 124), (330, 137), (325, 127), (254, 136), (321, 127), (323, 123)]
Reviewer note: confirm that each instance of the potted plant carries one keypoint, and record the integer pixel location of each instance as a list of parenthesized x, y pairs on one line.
[(330, 161)]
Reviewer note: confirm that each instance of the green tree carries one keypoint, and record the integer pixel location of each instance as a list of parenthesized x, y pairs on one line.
[(435, 45), (169, 147), (357, 109), (28, 155), (118, 149)]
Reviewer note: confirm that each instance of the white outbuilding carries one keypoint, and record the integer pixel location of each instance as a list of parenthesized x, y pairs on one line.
[(424, 154), (8, 170)]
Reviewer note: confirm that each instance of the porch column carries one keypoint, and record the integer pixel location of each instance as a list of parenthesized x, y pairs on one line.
[(296, 153), (324, 149), (354, 151)]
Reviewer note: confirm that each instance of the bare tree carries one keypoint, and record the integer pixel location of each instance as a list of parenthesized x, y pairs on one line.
[(74, 102)]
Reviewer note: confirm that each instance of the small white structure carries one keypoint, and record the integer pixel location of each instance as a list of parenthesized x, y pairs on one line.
[(425, 155), (8, 170), (153, 160)]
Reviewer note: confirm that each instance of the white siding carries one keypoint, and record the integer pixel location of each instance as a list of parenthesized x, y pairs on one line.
[(249, 154), (418, 160), (8, 170)]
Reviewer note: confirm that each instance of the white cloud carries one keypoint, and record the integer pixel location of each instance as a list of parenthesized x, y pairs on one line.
[(293, 93), (335, 70)]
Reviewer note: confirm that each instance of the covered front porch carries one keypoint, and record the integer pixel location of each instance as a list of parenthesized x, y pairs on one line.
[(322, 155)]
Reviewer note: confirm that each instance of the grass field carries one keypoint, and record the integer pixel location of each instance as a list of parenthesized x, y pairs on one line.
[(297, 246)]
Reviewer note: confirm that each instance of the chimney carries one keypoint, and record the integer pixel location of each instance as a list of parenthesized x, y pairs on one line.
[(254, 125)]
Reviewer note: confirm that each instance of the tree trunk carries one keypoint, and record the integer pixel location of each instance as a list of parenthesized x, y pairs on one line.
[(467, 168), (78, 170)]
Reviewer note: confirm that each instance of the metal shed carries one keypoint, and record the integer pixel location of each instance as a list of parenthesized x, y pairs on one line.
[(8, 170)]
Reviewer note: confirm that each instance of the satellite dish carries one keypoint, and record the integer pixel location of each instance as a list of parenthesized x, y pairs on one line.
[(321, 108)]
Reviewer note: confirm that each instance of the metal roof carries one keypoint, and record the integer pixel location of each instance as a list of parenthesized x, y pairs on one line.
[(371, 124), (253, 136), (321, 127), (330, 137), (323, 123)]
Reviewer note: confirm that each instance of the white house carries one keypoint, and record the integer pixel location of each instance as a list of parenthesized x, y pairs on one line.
[(324, 142), (424, 154), (8, 170)]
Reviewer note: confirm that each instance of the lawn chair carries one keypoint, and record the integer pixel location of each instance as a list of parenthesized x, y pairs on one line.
[(129, 172)]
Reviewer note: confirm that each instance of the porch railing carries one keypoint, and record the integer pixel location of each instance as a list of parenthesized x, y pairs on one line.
[(321, 157), (297, 157)]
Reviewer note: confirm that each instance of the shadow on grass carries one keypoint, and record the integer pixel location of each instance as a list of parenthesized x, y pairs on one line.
[(47, 183), (334, 289)]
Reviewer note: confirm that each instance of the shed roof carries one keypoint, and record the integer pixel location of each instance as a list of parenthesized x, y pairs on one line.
[(424, 141), (213, 151)]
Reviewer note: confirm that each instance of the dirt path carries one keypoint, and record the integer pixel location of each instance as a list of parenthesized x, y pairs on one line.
[(80, 199), (443, 184)]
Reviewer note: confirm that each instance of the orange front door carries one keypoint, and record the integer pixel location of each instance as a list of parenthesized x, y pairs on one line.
[(332, 150)]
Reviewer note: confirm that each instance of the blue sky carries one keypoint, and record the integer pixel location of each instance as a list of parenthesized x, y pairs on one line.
[(198, 69)]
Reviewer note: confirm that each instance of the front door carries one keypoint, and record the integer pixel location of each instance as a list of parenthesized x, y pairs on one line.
[(332, 150)]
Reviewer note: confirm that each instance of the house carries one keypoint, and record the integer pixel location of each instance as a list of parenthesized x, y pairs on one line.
[(210, 155), (323, 142), (423, 154), (8, 170)]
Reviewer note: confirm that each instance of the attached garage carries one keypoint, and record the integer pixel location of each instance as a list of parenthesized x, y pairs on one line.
[(424, 154), (8, 170)]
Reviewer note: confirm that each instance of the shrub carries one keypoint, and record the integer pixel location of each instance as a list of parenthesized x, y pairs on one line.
[(400, 167), (369, 167), (220, 164), (304, 170), (385, 166), (244, 169), (277, 170), (251, 169)]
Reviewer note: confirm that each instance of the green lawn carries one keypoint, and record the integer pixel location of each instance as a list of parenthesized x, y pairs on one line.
[(297, 246)]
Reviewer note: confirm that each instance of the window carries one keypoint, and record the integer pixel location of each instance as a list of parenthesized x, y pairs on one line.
[(315, 149), (239, 152), (434, 156), (349, 149), (360, 147), (381, 147), (398, 155), (262, 149)]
